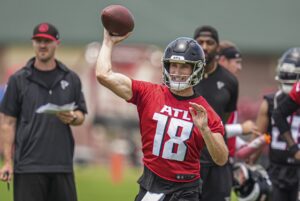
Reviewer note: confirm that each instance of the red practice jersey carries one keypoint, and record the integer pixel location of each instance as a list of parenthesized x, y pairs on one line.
[(171, 143), (231, 142), (295, 93)]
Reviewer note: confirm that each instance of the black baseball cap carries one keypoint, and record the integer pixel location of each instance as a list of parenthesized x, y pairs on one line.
[(207, 31), (230, 53), (45, 30)]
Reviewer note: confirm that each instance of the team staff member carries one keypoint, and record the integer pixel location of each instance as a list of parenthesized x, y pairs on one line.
[(220, 88), (174, 121), (41, 145), (230, 58)]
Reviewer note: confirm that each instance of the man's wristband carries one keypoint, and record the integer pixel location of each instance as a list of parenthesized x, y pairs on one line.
[(233, 130)]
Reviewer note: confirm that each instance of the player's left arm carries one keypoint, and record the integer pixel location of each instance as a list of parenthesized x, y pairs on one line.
[(280, 114), (214, 141)]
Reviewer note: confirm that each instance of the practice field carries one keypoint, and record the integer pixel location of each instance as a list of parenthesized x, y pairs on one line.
[(95, 183)]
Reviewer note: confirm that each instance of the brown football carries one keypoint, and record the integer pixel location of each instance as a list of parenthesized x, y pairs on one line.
[(117, 19)]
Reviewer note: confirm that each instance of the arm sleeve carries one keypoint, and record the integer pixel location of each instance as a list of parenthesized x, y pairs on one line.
[(280, 114)]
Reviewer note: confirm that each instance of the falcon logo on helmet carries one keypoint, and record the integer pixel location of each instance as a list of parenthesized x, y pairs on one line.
[(183, 50)]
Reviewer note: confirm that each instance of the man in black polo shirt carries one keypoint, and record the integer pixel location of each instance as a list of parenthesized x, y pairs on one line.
[(220, 88), (42, 143)]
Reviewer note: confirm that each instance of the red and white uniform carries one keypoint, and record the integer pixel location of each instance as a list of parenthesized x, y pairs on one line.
[(295, 93), (171, 142), (231, 142)]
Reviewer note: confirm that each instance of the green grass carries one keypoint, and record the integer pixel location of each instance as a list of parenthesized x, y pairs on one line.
[(94, 183)]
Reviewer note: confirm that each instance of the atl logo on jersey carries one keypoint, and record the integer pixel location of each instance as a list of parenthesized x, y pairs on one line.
[(174, 112)]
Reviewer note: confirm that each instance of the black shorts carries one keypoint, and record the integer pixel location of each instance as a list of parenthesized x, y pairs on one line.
[(173, 191), (283, 176), (44, 187), (285, 181), (180, 195), (216, 182)]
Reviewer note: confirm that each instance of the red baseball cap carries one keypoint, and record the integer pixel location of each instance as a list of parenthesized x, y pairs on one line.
[(45, 30)]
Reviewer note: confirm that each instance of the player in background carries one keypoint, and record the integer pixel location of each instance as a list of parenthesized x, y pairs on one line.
[(230, 57), (220, 88), (285, 153), (284, 149), (175, 123)]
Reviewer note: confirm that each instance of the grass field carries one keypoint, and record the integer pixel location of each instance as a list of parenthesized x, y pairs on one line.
[(94, 183)]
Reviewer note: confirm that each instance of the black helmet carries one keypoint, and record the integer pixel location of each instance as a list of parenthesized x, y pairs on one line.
[(251, 183), (183, 50), (288, 69)]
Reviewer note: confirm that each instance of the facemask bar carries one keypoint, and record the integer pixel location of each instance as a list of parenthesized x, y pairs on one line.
[(193, 79)]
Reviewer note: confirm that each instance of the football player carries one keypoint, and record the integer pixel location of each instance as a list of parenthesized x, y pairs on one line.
[(283, 153), (175, 122), (230, 58)]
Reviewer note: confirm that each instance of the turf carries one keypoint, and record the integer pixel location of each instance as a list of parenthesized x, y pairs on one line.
[(94, 183)]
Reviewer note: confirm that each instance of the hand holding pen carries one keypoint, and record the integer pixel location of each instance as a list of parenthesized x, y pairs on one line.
[(6, 173)]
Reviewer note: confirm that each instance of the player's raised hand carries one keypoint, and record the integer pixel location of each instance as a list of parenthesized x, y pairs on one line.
[(113, 39), (199, 116)]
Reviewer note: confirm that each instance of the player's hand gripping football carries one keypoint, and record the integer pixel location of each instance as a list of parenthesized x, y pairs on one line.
[(109, 39), (199, 116)]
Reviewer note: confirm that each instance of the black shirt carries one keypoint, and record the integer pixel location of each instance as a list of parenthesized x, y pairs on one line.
[(43, 143), (47, 77), (220, 89)]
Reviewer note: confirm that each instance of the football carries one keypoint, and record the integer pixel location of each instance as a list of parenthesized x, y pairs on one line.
[(117, 20)]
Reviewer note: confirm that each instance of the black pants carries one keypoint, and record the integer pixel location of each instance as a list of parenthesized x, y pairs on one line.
[(217, 183), (182, 195), (44, 187), (284, 181)]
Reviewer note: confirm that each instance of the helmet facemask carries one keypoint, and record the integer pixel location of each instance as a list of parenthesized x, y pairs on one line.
[(181, 82), (183, 50), (288, 69)]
